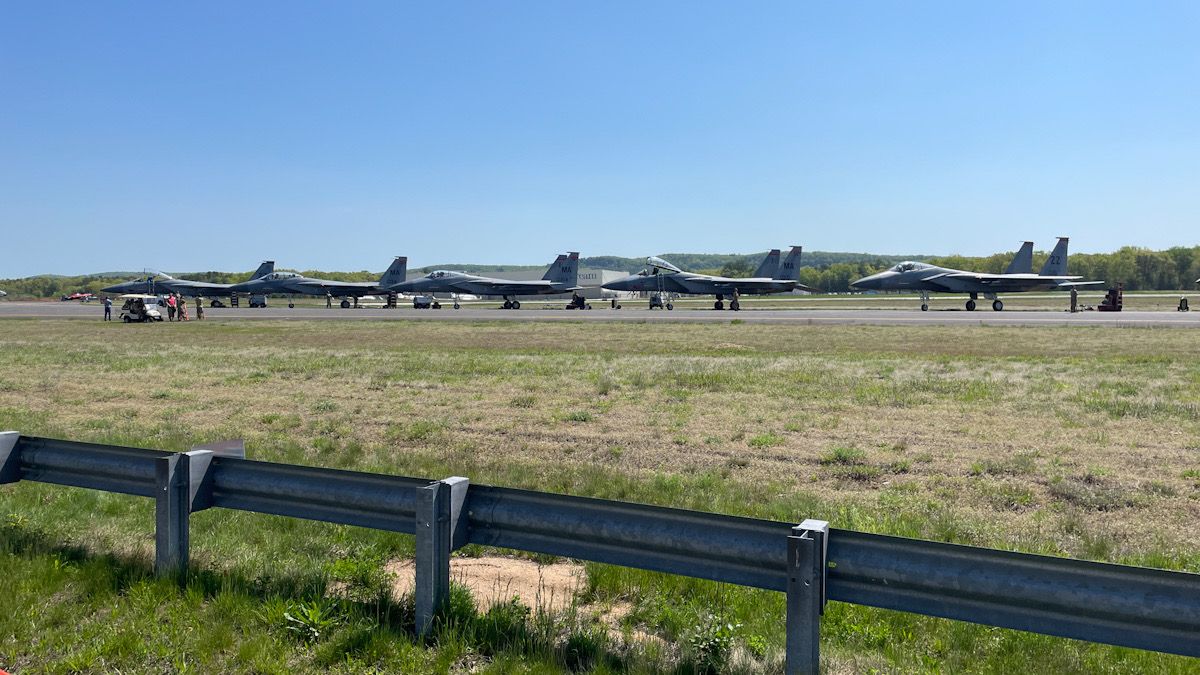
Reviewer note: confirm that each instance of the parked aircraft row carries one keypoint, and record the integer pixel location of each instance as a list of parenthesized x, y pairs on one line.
[(659, 279)]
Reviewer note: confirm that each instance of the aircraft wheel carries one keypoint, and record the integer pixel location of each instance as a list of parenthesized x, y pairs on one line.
[(457, 306), (997, 305), (718, 305), (735, 305), (291, 305), (507, 305), (970, 305), (516, 304), (670, 306), (924, 307), (618, 307)]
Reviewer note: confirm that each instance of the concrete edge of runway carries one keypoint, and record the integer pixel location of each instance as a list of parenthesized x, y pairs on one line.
[(798, 316)]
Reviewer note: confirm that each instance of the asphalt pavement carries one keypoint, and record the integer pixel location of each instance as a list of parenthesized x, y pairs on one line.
[(876, 317)]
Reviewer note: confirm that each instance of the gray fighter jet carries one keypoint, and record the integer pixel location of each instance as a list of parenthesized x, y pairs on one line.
[(291, 283), (661, 277), (165, 283), (925, 278), (561, 277)]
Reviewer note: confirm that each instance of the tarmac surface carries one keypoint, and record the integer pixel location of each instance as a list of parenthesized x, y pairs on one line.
[(874, 317)]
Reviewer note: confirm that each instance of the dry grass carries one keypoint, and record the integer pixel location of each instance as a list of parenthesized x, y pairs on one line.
[(751, 404), (1079, 441)]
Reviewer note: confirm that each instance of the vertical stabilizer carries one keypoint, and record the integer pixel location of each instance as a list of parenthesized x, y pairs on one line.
[(1056, 264), (1022, 262), (264, 269), (552, 271), (395, 273), (789, 269), (769, 266), (564, 270)]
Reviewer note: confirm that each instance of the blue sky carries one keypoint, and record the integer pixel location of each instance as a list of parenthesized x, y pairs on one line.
[(196, 136)]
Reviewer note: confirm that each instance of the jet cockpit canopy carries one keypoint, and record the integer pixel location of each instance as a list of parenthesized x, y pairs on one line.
[(909, 265), (661, 264)]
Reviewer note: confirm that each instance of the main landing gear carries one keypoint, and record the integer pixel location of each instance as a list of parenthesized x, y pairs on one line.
[(997, 304), (511, 304), (733, 303)]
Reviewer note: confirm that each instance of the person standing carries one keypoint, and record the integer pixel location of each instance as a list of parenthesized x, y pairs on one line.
[(107, 308), (171, 307), (199, 309), (182, 309)]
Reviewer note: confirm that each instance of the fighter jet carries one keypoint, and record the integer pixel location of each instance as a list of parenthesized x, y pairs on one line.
[(925, 278), (561, 277), (165, 283), (772, 276), (292, 283)]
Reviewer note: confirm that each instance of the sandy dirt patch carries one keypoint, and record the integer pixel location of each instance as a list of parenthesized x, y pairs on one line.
[(497, 579)]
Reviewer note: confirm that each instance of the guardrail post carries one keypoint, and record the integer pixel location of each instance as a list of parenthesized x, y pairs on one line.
[(807, 551), (10, 459), (439, 530), (171, 509)]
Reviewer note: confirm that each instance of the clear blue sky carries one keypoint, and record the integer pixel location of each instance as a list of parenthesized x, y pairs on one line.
[(211, 135)]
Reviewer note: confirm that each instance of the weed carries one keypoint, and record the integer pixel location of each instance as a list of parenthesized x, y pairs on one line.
[(843, 455), (523, 401), (710, 642), (767, 440), (312, 620)]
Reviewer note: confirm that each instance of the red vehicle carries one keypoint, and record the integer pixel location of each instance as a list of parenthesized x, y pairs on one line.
[(82, 297)]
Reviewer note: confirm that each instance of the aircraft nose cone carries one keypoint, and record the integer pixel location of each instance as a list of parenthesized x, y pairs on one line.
[(623, 284), (867, 283)]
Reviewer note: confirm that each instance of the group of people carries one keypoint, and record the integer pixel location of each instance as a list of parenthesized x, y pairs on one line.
[(175, 303), (177, 307)]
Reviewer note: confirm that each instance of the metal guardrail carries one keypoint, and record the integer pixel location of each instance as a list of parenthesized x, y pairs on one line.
[(1112, 604)]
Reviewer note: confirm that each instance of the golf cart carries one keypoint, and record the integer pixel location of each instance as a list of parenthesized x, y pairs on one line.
[(139, 308), (661, 301)]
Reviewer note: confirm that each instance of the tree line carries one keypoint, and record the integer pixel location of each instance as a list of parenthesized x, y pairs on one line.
[(1137, 268)]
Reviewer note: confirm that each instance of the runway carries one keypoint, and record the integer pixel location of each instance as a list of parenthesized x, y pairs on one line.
[(800, 317)]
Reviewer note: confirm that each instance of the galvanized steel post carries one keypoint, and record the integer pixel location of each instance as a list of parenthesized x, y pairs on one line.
[(10, 459), (438, 532), (807, 553), (171, 509)]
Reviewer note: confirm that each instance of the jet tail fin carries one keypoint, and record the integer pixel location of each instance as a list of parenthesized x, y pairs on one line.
[(769, 266), (789, 269), (264, 269), (1056, 264), (564, 270), (395, 273), (1022, 262)]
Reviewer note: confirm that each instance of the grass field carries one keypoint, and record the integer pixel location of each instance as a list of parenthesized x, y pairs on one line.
[(1069, 441), (1141, 301)]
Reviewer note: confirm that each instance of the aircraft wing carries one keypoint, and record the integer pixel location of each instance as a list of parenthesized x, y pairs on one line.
[(323, 286), (1010, 282), (519, 287)]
